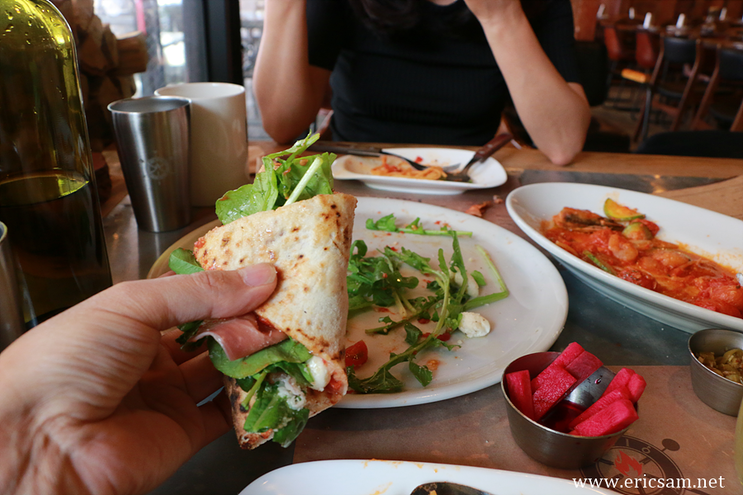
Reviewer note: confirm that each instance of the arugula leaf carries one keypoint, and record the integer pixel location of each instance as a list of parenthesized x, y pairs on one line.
[(422, 312), (385, 223), (286, 435), (494, 268), (382, 382), (183, 262), (444, 307), (272, 411), (299, 371), (298, 181), (412, 334), (479, 278), (497, 296), (254, 387), (288, 350), (261, 195), (421, 373), (377, 280), (280, 179), (389, 224), (189, 330)]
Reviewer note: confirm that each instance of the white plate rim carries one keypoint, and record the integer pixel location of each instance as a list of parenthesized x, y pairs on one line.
[(497, 174), (679, 314), (362, 477)]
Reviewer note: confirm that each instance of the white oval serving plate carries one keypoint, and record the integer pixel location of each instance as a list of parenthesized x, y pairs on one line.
[(707, 233), (489, 173)]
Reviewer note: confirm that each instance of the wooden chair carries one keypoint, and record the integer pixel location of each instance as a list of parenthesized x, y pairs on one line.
[(667, 81), (647, 49), (725, 106), (621, 53)]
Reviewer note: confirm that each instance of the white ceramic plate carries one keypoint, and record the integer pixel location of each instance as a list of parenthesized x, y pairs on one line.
[(369, 477), (704, 232), (529, 320), (489, 173)]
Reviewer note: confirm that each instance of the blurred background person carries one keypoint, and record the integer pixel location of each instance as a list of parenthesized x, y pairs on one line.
[(422, 71)]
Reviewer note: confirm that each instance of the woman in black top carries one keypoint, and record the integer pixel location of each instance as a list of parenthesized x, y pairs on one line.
[(422, 71)]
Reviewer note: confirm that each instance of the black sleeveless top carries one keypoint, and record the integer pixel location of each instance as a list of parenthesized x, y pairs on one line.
[(426, 86)]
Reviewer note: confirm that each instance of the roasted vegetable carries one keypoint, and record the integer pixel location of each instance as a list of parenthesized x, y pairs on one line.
[(614, 210)]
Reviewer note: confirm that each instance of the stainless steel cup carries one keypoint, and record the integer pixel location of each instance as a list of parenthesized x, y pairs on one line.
[(715, 390), (153, 140), (548, 446), (11, 309)]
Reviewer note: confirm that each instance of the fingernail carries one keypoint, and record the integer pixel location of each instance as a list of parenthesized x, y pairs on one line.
[(258, 274)]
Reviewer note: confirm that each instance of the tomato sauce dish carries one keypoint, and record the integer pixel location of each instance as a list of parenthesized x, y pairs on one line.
[(670, 261)]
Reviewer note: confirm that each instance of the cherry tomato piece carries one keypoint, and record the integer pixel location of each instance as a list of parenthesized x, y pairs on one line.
[(357, 354)]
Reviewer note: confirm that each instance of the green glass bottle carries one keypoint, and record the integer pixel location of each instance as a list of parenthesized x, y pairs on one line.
[(48, 197)]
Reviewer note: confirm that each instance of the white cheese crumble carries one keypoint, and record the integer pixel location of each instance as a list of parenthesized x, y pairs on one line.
[(473, 290), (474, 325), (319, 372), (291, 391)]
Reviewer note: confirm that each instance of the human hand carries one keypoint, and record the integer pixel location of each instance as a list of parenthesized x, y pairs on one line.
[(95, 401)]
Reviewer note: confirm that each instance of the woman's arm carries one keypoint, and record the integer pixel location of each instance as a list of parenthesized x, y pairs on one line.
[(555, 113), (289, 91)]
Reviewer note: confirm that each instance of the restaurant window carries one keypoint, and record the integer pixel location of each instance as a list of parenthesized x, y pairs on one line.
[(251, 30), (192, 41)]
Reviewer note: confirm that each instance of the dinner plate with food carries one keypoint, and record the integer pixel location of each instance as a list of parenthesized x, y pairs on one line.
[(676, 263), (529, 319), (363, 477), (390, 173)]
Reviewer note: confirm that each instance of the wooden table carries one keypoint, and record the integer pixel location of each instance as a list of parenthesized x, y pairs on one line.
[(614, 333)]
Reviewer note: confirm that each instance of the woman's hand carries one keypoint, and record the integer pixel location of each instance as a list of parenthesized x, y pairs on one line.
[(96, 401)]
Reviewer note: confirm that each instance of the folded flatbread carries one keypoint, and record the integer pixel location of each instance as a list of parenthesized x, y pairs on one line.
[(309, 244)]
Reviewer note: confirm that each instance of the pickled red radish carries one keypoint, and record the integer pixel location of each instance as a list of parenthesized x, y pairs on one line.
[(583, 366), (571, 352), (604, 401), (553, 384), (519, 391), (621, 379), (616, 417)]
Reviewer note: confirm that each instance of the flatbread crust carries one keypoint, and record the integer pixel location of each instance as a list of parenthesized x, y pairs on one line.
[(309, 243)]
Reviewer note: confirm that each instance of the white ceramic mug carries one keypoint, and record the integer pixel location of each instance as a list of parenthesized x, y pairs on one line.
[(219, 138)]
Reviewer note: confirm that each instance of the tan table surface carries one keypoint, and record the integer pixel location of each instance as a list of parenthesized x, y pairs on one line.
[(515, 160), (677, 436), (675, 427)]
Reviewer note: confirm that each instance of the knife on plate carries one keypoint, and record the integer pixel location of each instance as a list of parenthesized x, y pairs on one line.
[(324, 147), (366, 151)]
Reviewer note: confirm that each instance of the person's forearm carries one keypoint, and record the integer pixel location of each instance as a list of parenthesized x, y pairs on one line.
[(286, 87), (555, 115)]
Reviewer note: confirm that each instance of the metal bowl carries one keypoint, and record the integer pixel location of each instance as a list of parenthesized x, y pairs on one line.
[(716, 391), (548, 446)]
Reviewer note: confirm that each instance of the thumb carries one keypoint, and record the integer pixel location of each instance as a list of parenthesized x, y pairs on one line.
[(168, 301)]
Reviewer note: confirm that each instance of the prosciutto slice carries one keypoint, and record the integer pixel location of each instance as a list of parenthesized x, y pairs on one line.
[(240, 336)]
